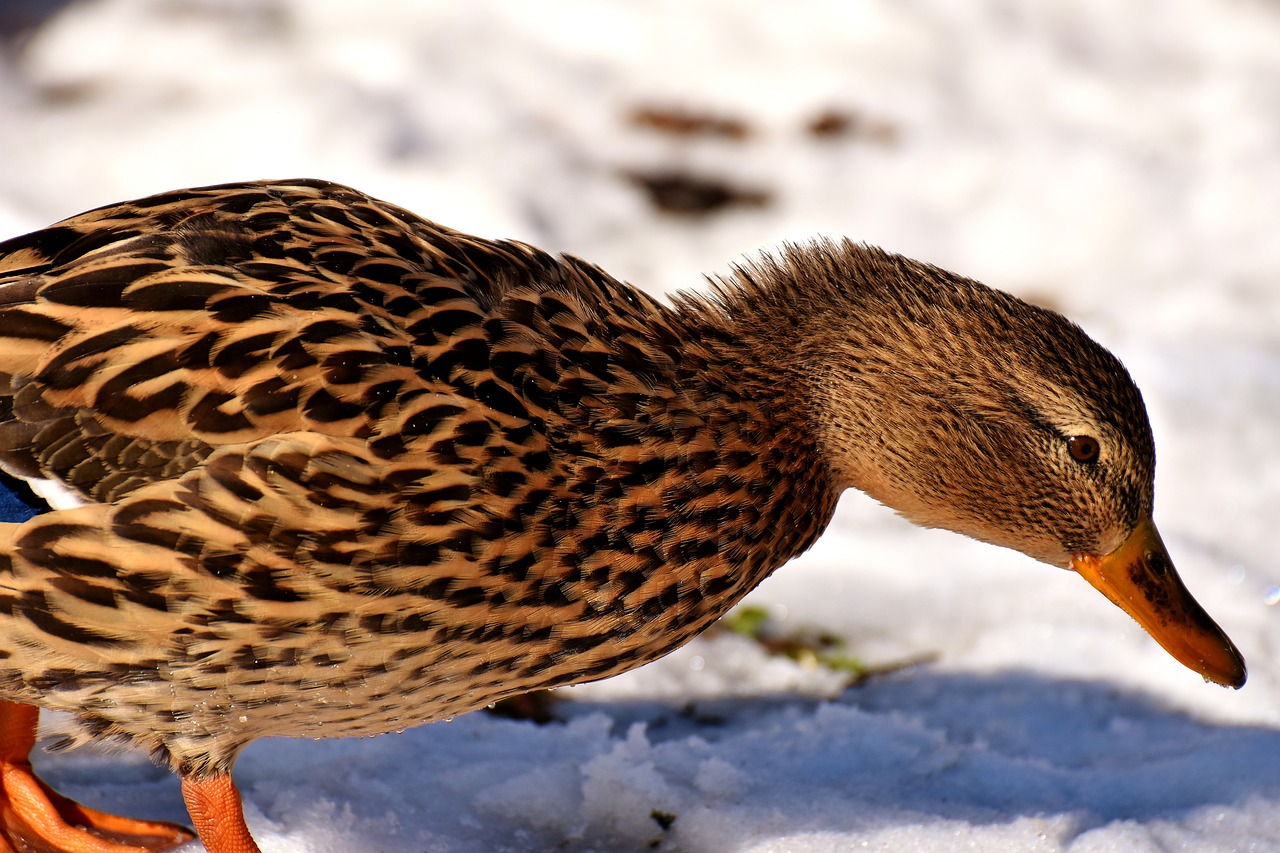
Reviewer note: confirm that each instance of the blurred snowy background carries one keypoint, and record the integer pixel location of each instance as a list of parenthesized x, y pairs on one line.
[(1117, 161)]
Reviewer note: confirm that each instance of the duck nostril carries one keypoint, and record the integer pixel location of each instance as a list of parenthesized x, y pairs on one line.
[(1158, 563)]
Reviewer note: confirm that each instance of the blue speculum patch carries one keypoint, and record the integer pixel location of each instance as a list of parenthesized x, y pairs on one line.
[(17, 501)]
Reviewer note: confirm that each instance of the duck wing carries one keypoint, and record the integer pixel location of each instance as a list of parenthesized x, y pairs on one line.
[(137, 338)]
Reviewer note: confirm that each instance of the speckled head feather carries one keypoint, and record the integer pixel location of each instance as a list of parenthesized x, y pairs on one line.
[(952, 402)]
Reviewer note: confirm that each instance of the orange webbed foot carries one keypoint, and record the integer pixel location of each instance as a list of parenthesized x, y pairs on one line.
[(36, 819)]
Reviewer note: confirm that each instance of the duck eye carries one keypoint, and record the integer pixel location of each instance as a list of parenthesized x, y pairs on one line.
[(1083, 448)]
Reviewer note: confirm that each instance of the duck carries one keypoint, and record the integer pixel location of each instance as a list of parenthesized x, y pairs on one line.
[(318, 467)]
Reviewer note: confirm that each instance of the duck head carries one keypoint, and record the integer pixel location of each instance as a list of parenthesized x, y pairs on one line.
[(965, 408)]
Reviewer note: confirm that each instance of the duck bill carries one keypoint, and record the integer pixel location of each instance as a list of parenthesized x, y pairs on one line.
[(1139, 578)]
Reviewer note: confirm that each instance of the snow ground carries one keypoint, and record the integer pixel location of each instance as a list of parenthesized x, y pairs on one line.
[(1119, 161)]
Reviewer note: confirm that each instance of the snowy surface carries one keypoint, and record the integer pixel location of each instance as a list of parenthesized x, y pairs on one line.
[(1119, 161)]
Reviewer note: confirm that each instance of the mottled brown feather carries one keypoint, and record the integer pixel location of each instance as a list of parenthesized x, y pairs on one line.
[(344, 471)]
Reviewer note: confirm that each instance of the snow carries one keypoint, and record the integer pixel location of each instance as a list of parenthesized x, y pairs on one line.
[(1119, 161)]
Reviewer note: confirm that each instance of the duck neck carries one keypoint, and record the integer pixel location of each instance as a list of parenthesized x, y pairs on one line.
[(752, 477), (768, 451), (834, 375), (697, 488)]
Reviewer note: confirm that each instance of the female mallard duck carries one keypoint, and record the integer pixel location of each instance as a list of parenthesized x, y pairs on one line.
[(319, 467)]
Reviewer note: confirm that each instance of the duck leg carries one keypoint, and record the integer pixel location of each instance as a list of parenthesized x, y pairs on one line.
[(34, 817), (215, 809)]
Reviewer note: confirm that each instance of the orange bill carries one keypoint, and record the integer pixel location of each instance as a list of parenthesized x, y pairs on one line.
[(1139, 578)]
